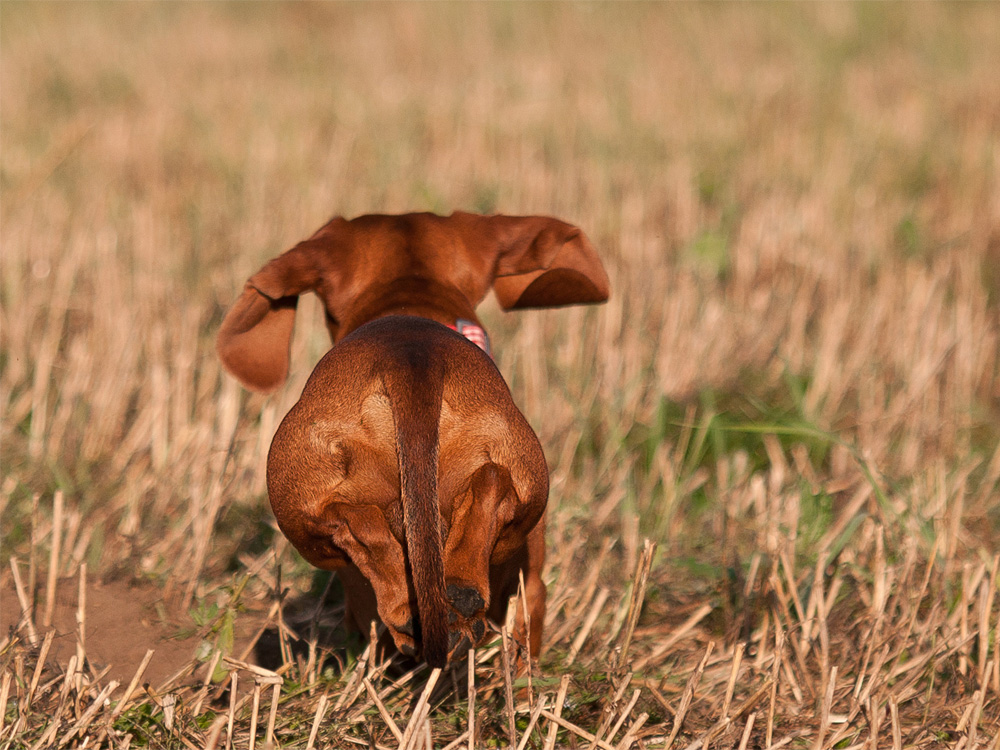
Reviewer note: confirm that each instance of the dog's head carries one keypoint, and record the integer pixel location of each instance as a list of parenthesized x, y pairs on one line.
[(426, 264)]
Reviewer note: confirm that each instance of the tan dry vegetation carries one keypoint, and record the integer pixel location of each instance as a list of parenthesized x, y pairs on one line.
[(793, 392)]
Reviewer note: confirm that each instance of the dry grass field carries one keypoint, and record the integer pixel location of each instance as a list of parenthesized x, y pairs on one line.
[(774, 453)]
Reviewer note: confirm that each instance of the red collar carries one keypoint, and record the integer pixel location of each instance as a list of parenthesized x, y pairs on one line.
[(474, 333)]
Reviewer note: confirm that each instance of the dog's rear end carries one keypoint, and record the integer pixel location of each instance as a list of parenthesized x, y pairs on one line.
[(354, 478), (405, 465)]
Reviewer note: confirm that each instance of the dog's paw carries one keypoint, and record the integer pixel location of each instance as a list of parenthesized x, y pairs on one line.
[(458, 645), (466, 620), (465, 599)]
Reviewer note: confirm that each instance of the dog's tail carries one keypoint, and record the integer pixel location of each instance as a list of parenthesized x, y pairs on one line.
[(415, 393)]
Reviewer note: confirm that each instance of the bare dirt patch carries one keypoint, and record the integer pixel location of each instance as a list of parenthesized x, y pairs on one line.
[(123, 619)]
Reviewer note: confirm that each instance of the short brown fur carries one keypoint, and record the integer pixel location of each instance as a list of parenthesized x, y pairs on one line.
[(405, 464)]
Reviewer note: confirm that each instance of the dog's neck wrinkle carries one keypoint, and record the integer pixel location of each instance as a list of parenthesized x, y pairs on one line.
[(419, 297)]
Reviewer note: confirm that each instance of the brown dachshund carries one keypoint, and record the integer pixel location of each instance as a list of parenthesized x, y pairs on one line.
[(405, 464)]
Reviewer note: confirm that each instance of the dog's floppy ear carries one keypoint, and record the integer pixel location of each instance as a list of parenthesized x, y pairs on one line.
[(545, 262), (254, 338)]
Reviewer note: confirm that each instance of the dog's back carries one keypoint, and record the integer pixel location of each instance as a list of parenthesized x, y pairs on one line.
[(403, 392)]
